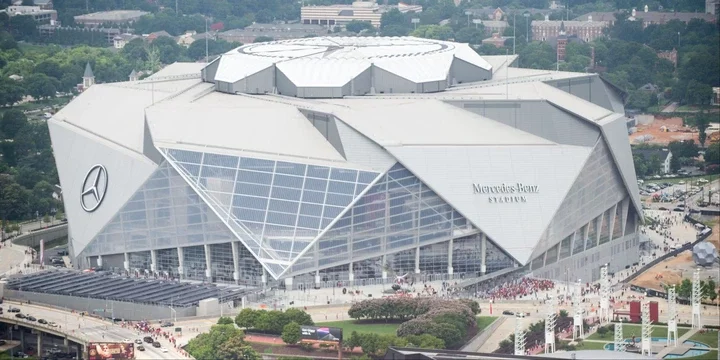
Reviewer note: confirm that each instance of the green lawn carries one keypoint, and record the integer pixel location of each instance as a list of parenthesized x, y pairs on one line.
[(349, 326), (712, 355), (484, 321), (710, 338), (631, 329)]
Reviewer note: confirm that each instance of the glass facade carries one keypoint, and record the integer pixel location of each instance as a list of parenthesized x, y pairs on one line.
[(617, 224), (592, 235), (168, 261), (398, 212), (194, 262), (277, 208), (467, 252), (221, 262), (164, 213)]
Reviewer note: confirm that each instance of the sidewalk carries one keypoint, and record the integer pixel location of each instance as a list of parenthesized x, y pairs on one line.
[(13, 258)]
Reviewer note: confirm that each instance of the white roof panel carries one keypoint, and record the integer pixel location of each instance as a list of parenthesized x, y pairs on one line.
[(303, 72)]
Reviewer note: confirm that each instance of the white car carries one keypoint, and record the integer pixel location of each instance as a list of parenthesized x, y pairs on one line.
[(164, 349), (52, 324), (127, 341)]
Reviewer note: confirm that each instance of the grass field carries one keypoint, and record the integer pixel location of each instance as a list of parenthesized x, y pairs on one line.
[(710, 338), (630, 330), (485, 321), (712, 355), (349, 326)]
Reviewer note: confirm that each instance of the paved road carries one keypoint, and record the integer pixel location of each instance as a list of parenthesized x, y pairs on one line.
[(670, 108), (91, 329)]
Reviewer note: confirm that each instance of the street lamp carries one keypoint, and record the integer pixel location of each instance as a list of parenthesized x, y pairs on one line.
[(527, 27), (415, 21), (468, 13)]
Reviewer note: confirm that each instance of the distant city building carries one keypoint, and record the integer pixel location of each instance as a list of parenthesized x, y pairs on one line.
[(119, 41), (496, 39), (495, 26), (711, 6), (650, 17), (115, 17), (504, 13), (361, 10), (108, 33), (88, 79), (274, 31), (716, 96), (554, 5), (155, 35), (134, 76), (587, 30), (43, 4), (669, 55), (38, 13)]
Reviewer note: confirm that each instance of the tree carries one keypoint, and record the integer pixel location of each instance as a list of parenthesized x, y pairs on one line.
[(10, 91), (470, 35), (437, 32), (207, 346), (602, 331), (712, 153), (291, 333), (685, 289), (709, 290), (298, 316), (11, 123), (357, 26), (702, 121), (236, 348), (225, 321), (247, 318), (41, 86), (169, 50), (425, 341)]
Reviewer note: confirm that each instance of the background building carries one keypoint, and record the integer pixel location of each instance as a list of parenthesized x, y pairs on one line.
[(587, 30), (422, 157), (38, 14), (361, 10), (662, 155), (115, 17), (649, 17), (273, 31)]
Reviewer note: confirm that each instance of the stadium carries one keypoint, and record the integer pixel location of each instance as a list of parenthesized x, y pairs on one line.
[(309, 162)]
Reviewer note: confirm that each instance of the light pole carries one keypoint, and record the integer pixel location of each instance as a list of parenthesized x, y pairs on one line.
[(527, 27), (468, 13), (514, 28), (415, 21)]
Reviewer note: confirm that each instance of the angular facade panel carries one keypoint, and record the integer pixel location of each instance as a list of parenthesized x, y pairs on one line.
[(164, 213), (279, 206), (398, 212)]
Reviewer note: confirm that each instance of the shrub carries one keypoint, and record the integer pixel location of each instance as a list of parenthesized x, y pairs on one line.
[(273, 321), (247, 318), (225, 321), (472, 304), (602, 331), (425, 341), (291, 333)]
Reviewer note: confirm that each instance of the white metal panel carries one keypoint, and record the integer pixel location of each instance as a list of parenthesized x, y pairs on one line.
[(112, 112), (235, 67), (76, 152), (361, 150), (464, 52), (451, 171), (616, 134), (429, 67), (322, 72), (233, 122)]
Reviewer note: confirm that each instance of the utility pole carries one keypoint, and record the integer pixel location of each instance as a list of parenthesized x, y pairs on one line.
[(514, 27), (206, 41), (176, 8)]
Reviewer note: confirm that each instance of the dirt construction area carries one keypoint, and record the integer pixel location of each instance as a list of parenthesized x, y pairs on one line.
[(663, 131)]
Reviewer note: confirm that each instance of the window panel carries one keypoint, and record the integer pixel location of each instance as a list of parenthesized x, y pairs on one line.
[(320, 172), (257, 164), (337, 199), (343, 175), (252, 189), (250, 202), (366, 177), (285, 194), (340, 187), (288, 181), (315, 184), (254, 177), (249, 214), (220, 160), (308, 222), (313, 197), (280, 218), (284, 206), (290, 168), (311, 209)]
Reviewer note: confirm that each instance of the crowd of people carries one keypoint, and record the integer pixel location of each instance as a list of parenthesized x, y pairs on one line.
[(514, 289)]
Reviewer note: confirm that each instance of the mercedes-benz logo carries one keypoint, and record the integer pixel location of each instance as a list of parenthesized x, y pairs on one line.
[(94, 188)]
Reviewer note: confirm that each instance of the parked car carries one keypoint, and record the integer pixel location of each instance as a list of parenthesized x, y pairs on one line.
[(138, 341), (2, 342), (19, 316), (508, 312), (164, 349), (13, 310), (167, 324), (42, 321), (52, 324), (31, 318)]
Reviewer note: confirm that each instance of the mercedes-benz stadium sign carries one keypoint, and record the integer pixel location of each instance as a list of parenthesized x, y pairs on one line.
[(506, 192), (94, 188)]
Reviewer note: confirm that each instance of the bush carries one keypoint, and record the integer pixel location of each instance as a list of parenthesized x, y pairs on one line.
[(425, 341), (291, 333), (602, 331), (472, 304), (225, 321), (271, 322)]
